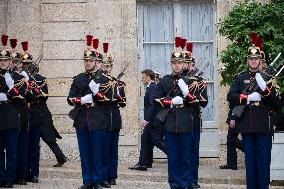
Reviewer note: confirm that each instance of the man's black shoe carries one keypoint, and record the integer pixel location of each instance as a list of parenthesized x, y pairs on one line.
[(86, 186), (35, 179), (1, 185), (60, 162), (105, 185), (228, 167), (138, 167), (22, 182), (149, 166), (112, 181)]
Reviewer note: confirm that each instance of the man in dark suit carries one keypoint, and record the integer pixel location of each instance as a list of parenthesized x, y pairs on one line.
[(152, 132), (233, 142)]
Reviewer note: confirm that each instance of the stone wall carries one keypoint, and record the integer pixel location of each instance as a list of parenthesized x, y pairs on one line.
[(57, 29)]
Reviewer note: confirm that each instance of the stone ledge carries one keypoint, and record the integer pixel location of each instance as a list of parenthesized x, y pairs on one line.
[(127, 153), (63, 1), (208, 174)]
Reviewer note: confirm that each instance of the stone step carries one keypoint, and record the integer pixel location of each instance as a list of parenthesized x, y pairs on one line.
[(208, 174), (59, 183)]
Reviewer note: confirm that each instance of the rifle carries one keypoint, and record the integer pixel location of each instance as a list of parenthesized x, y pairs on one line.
[(162, 115), (121, 74), (253, 86)]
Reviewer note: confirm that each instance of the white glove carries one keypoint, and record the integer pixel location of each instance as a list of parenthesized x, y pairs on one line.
[(260, 81), (95, 87), (117, 92), (87, 99), (27, 78), (9, 81), (3, 97), (183, 86), (177, 100), (253, 97)]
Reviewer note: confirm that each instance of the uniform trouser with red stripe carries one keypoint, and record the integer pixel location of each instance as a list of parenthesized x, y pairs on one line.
[(256, 157)]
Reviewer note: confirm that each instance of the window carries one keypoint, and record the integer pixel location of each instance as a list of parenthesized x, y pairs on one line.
[(159, 23)]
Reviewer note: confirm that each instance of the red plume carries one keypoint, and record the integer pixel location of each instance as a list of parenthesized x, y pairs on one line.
[(25, 45), (177, 41), (96, 43), (4, 40), (13, 43), (189, 46), (254, 38), (89, 40), (105, 47), (183, 43), (260, 43)]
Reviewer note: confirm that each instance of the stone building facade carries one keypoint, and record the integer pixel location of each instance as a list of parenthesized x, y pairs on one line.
[(57, 29)]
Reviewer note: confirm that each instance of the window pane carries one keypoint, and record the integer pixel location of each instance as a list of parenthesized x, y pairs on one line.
[(197, 21), (207, 112), (158, 22), (157, 57)]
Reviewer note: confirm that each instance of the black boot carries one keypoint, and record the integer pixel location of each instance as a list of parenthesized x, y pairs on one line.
[(22, 182), (35, 179), (194, 185), (112, 181), (60, 162), (105, 185)]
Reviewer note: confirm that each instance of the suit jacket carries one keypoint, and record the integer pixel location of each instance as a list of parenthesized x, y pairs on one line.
[(150, 110)]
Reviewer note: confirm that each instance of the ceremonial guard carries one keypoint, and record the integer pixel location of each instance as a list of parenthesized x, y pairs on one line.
[(9, 116), (38, 112), (198, 87), (254, 122), (91, 96), (21, 81), (174, 97), (115, 115)]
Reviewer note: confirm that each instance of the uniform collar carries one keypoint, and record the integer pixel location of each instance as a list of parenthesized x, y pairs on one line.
[(177, 76), (252, 74)]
